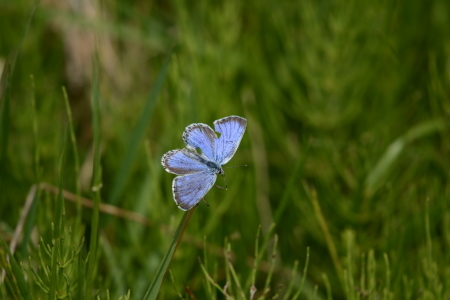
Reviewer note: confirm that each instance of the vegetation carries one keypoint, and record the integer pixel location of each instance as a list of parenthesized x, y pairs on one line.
[(346, 193)]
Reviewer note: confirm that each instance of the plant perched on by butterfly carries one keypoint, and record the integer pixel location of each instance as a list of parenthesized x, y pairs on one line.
[(198, 171), (197, 174)]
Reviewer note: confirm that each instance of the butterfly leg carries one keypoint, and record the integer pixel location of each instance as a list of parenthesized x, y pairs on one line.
[(205, 201), (223, 188)]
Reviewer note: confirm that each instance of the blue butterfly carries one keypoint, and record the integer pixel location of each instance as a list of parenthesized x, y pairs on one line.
[(198, 172)]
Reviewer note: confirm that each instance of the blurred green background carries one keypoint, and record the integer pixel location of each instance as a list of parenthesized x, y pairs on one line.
[(347, 143)]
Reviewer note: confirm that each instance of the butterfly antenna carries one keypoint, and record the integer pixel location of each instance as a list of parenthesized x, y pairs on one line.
[(234, 167)]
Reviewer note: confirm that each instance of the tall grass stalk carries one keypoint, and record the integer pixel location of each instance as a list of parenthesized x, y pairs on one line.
[(58, 227), (76, 159), (15, 276), (96, 183), (137, 136), (155, 285)]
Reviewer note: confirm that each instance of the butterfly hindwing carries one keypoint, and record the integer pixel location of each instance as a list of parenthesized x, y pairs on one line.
[(188, 190)]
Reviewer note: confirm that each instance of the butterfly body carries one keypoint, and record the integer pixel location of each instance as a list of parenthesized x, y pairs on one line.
[(198, 171), (215, 167)]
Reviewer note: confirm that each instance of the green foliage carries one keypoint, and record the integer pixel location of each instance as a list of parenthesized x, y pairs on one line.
[(347, 147), (155, 286)]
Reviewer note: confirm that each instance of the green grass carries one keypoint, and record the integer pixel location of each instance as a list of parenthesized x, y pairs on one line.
[(347, 147)]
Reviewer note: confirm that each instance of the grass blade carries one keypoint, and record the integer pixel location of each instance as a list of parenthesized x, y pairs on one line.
[(292, 180), (326, 232), (31, 218), (136, 137), (96, 182), (4, 120), (384, 164), (75, 154), (153, 289), (305, 269), (5, 85), (16, 271), (58, 229)]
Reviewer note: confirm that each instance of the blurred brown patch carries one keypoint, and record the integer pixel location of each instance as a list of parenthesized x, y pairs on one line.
[(79, 46)]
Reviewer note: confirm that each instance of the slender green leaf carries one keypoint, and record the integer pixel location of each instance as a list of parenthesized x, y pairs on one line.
[(153, 289), (292, 180), (4, 121), (392, 153), (58, 225), (17, 272), (75, 154), (96, 182), (5, 85), (305, 269), (136, 137), (30, 222)]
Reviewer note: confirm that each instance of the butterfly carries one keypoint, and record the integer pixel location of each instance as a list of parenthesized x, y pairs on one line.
[(198, 171)]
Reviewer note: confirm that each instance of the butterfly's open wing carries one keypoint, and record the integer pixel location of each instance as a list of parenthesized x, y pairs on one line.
[(182, 162), (231, 130), (200, 136), (188, 190)]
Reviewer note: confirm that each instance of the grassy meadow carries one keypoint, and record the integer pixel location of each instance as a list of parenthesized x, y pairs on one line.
[(346, 194)]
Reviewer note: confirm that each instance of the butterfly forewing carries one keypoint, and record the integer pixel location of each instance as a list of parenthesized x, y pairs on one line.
[(201, 136), (182, 162), (231, 131), (188, 190)]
